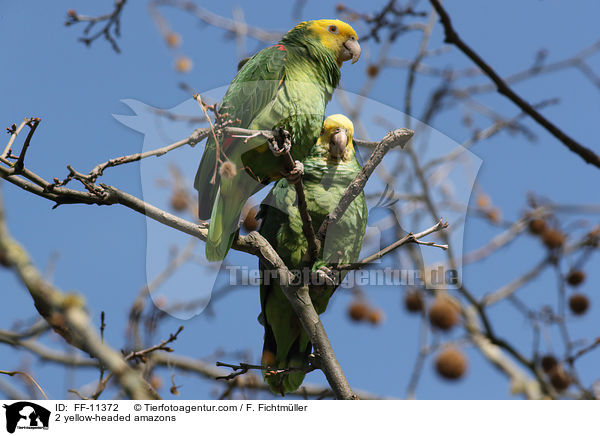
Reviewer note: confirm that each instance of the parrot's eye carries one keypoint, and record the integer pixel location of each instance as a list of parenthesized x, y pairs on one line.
[(333, 29), (322, 132)]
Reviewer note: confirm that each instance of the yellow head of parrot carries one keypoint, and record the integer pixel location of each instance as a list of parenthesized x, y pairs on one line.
[(336, 136), (337, 36)]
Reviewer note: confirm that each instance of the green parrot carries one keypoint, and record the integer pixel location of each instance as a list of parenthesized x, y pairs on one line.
[(284, 86), (328, 170)]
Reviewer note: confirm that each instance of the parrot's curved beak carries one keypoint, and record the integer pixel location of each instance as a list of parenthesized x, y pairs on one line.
[(338, 142), (351, 50)]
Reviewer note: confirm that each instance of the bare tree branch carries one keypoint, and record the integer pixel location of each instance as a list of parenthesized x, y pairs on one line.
[(65, 313), (519, 380), (452, 37)]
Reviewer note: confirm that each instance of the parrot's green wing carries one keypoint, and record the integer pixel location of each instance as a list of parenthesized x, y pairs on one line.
[(281, 86), (252, 89)]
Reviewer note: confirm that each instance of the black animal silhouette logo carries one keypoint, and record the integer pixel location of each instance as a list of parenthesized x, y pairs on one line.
[(26, 415)]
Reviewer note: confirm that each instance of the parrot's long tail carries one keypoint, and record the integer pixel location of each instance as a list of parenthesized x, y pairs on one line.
[(207, 191), (296, 358), (222, 227), (231, 198)]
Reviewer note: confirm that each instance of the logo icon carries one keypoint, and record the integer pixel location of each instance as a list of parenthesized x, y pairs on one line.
[(26, 415)]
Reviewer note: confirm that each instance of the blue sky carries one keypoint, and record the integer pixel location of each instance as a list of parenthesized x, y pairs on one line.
[(102, 250)]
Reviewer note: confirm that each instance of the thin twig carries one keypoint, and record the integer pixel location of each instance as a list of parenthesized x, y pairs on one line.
[(243, 368), (113, 22), (585, 350), (141, 354), (410, 238), (20, 163), (14, 131)]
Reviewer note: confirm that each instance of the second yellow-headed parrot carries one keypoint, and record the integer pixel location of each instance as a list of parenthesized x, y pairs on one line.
[(328, 170)]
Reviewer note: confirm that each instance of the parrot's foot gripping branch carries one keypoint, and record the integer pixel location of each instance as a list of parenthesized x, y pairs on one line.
[(280, 143)]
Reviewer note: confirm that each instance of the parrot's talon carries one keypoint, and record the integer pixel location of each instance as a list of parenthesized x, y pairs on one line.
[(295, 175), (280, 136), (277, 150), (323, 276)]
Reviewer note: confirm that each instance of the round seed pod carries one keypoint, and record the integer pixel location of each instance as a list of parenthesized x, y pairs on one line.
[(579, 304), (372, 70), (173, 39), (375, 317), (413, 301), (358, 311), (443, 314), (483, 201), (548, 363), (156, 382), (559, 378), (537, 226), (576, 277), (553, 238), (494, 215), (183, 64), (451, 364), (179, 200)]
